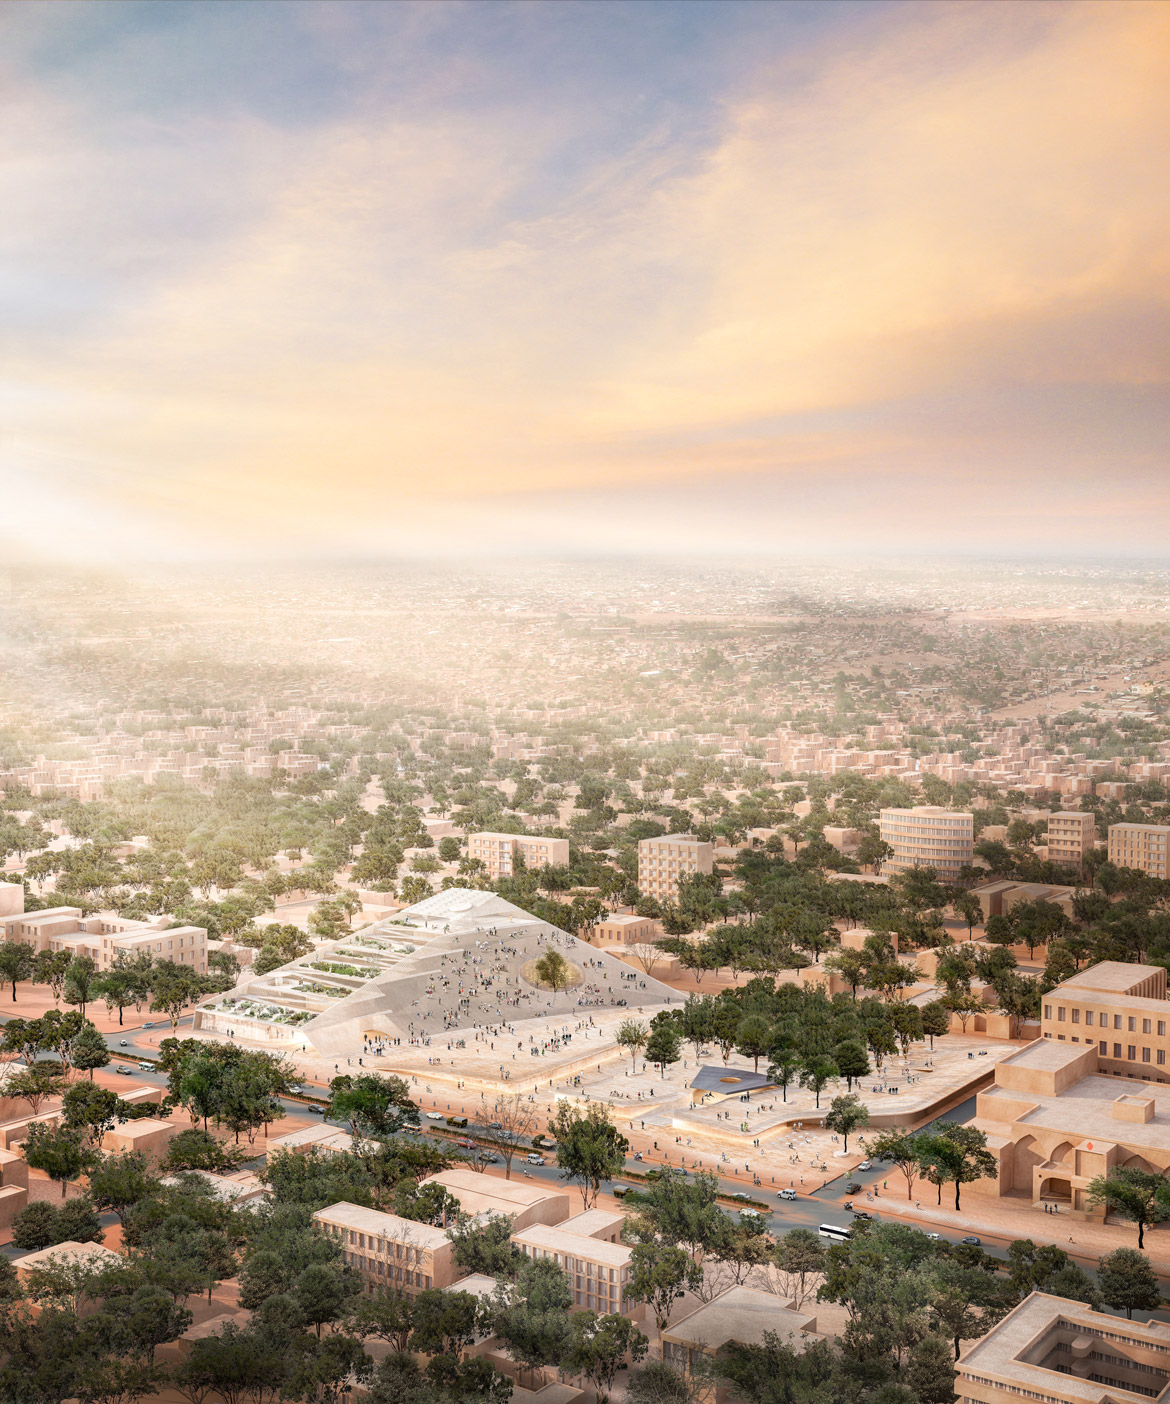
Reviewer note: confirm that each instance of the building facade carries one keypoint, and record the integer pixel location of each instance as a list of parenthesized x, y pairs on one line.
[(1063, 1352), (928, 836), (598, 1270), (1121, 1010), (663, 861), (498, 852), (387, 1251), (1071, 834), (1140, 846), (105, 938)]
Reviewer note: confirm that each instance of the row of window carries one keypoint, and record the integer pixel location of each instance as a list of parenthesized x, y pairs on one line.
[(392, 1272), (1130, 1020), (1131, 1052)]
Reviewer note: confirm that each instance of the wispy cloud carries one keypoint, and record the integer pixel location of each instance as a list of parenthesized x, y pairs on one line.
[(922, 243)]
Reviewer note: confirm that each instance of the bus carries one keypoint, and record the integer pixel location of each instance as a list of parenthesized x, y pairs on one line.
[(835, 1231)]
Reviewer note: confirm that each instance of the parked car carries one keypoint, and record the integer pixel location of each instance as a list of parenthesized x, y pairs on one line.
[(458, 1121), (934, 1235), (786, 1194), (620, 1191), (534, 1159), (972, 1240), (739, 1194)]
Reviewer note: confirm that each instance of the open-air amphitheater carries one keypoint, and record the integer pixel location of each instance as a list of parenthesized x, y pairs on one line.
[(451, 976)]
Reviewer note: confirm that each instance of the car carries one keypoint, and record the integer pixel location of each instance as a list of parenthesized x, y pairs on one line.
[(862, 1214), (149, 1024), (786, 1194), (457, 1121), (739, 1194), (865, 1165), (123, 1043), (972, 1240), (853, 1187), (750, 1214), (495, 1125), (620, 1191), (934, 1235), (488, 1158), (435, 1116), (534, 1159), (465, 1142), (121, 1068)]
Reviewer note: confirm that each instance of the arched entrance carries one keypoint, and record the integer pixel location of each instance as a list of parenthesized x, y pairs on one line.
[(1056, 1189)]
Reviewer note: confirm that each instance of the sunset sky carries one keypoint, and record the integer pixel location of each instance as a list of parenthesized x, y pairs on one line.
[(310, 279)]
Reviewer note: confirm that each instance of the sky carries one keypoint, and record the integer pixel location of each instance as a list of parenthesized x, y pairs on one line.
[(301, 280)]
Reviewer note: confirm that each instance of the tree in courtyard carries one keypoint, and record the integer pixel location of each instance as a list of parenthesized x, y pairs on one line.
[(36, 1084), (590, 1148), (632, 1035), (531, 1315), (598, 1348), (754, 1037), (1141, 1196), (661, 1274), (816, 1073), (936, 1020), (663, 1047), (552, 969), (63, 1153), (17, 962), (852, 1060), (846, 1115), (784, 1068), (1127, 1280)]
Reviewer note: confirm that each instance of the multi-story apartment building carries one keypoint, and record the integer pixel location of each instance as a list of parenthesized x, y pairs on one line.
[(598, 1270), (1141, 846), (928, 836), (1120, 1008), (662, 861), (1059, 1351), (498, 852), (388, 1251), (104, 938), (1071, 834)]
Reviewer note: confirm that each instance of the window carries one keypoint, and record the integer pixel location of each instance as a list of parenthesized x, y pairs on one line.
[(1132, 1024), (1103, 1049), (1076, 1016), (1161, 1057), (1117, 1021), (1145, 1055), (1060, 1015), (1089, 1017), (1161, 1028), (1145, 1026), (1048, 1011), (1117, 1050), (1132, 1053)]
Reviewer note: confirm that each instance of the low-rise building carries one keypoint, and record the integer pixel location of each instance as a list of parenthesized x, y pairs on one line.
[(388, 1251), (663, 861), (741, 1314), (525, 1202), (1121, 1010), (1058, 1351), (598, 1271), (102, 938), (1140, 846), (498, 852), (623, 930)]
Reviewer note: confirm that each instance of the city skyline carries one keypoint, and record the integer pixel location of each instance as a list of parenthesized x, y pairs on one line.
[(404, 280)]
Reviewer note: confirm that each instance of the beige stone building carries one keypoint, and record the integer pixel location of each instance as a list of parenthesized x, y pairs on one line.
[(741, 1314), (388, 1251), (1141, 846), (598, 1268), (662, 861), (104, 937), (622, 930), (1119, 1009), (526, 1202), (928, 836), (1071, 834), (498, 852), (1056, 1351)]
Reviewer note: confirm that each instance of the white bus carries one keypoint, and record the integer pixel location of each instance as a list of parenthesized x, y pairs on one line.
[(835, 1231)]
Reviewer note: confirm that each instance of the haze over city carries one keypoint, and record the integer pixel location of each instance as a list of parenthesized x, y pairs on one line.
[(584, 702)]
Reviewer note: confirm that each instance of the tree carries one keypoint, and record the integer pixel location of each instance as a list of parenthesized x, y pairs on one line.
[(79, 982), (118, 988), (1127, 1281), (816, 1073), (235, 1364), (51, 967), (659, 1383), (845, 1115), (589, 1147), (91, 1110), (660, 1275), (373, 1105), (35, 1226), (323, 1292), (484, 1245), (664, 1044), (322, 1370), (173, 987), (553, 970), (960, 1154), (1141, 1196), (799, 1260), (384, 1314), (852, 1060), (784, 1069), (120, 1181), (598, 1347), (61, 1152), (936, 1020), (754, 1038), (36, 1084), (632, 1035), (444, 1323), (903, 1149), (89, 1050), (513, 1119), (931, 1372), (531, 1316), (17, 963)]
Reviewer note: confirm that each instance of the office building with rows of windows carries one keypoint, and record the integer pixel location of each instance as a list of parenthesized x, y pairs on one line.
[(1140, 846), (662, 861), (928, 836)]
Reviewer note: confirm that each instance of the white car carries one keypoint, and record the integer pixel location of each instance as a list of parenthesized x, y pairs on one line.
[(865, 1165), (786, 1194), (435, 1116), (750, 1214)]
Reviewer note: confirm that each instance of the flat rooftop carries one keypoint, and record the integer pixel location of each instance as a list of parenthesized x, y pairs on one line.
[(481, 1194), (1048, 1054), (1109, 977), (1085, 1110), (354, 1216), (741, 1314), (556, 1240)]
